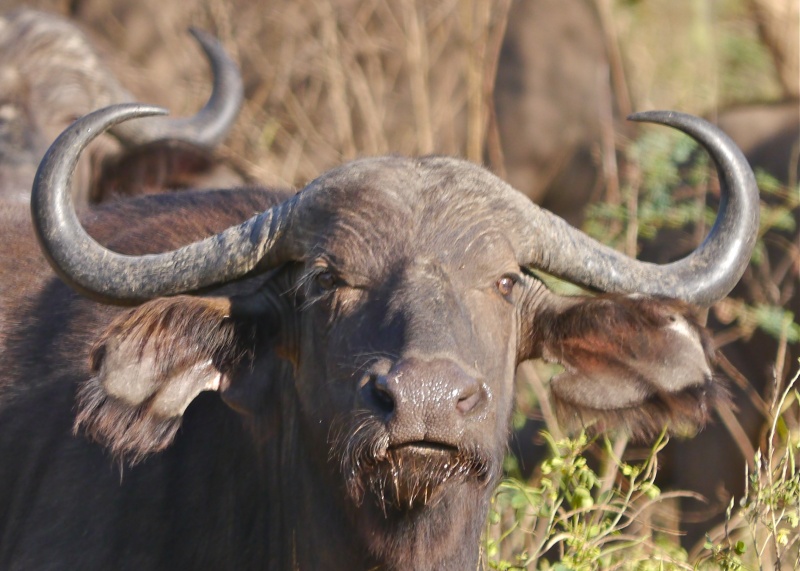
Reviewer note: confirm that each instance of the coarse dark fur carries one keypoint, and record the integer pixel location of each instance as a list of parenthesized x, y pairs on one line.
[(346, 411)]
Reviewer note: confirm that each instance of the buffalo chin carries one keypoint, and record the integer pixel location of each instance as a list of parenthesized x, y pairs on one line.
[(421, 513)]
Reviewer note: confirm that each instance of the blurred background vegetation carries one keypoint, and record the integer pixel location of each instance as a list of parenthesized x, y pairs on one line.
[(330, 80)]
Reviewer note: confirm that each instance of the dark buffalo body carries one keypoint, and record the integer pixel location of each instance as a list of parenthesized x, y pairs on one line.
[(556, 110), (768, 134), (342, 399)]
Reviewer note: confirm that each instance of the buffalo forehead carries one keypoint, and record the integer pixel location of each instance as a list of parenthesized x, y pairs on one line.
[(375, 212), (443, 188)]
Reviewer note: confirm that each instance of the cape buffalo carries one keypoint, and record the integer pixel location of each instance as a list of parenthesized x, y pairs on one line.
[(768, 134), (320, 380), (554, 103), (50, 74)]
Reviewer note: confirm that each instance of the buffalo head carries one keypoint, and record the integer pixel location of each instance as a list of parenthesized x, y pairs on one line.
[(386, 307)]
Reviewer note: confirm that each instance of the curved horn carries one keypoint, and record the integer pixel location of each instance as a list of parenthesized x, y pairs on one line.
[(213, 122), (110, 277), (703, 277)]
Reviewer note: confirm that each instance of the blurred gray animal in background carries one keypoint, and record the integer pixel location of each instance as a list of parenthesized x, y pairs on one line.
[(51, 74)]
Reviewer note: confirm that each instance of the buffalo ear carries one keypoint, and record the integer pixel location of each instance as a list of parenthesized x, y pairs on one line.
[(629, 360), (148, 366)]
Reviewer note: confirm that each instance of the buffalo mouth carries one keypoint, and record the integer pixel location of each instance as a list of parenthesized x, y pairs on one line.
[(424, 448), (415, 474), (404, 475)]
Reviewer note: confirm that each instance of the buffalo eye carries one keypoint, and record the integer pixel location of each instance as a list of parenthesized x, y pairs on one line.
[(325, 280), (505, 285)]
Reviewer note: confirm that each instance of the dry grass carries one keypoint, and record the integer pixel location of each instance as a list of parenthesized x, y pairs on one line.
[(326, 80)]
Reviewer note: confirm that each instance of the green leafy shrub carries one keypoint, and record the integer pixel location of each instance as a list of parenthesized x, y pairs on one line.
[(570, 516)]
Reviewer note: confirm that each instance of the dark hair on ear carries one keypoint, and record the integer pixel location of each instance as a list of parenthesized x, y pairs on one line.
[(147, 367), (129, 433), (683, 413), (633, 362)]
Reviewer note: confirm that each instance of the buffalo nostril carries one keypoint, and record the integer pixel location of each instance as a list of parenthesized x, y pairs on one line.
[(468, 402), (377, 394)]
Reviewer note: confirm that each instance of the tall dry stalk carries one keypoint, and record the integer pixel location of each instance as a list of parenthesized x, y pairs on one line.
[(325, 81)]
